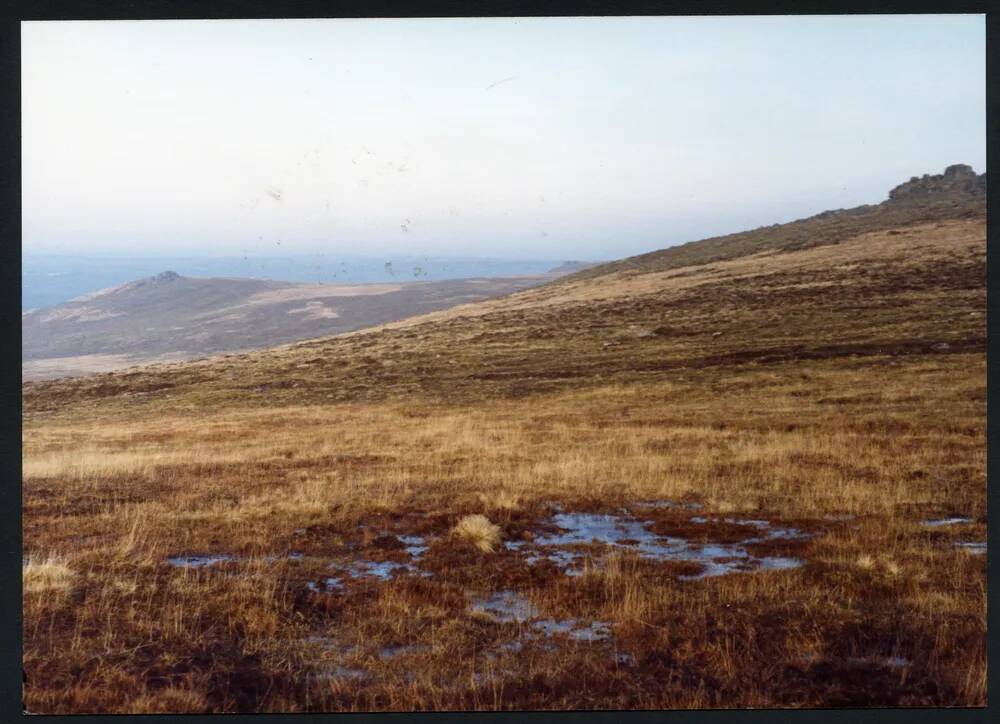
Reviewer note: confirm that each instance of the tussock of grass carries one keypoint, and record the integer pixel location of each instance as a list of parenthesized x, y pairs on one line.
[(48, 573), (478, 530), (503, 500)]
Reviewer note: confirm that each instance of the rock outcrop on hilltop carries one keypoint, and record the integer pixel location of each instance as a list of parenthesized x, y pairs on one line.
[(958, 193), (958, 180), (572, 266)]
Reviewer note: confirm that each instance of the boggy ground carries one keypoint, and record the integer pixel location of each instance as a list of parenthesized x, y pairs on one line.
[(815, 408), (883, 611)]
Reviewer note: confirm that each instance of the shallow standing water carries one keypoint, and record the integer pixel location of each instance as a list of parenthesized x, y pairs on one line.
[(211, 560), (513, 607), (974, 547), (414, 545), (935, 523), (621, 531), (199, 561)]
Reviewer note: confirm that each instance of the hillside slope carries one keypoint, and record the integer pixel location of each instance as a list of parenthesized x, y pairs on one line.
[(169, 316), (915, 289), (957, 193)]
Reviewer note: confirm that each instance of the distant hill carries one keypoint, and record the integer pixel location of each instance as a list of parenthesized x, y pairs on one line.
[(170, 317), (957, 193), (568, 267), (48, 279)]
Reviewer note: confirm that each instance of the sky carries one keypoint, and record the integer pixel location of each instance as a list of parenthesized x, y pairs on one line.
[(574, 138)]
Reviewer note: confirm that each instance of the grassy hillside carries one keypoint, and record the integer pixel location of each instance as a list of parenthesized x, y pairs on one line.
[(801, 427)]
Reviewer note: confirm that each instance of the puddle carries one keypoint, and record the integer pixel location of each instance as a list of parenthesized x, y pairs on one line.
[(382, 570), (658, 504), (203, 561), (563, 559), (414, 545), (778, 563), (328, 657), (512, 607), (506, 607), (765, 526), (945, 521), (759, 524), (199, 561), (329, 585), (325, 643), (339, 672), (889, 662), (617, 531), (509, 647), (574, 629), (389, 652), (513, 647), (977, 548), (583, 528), (392, 651)]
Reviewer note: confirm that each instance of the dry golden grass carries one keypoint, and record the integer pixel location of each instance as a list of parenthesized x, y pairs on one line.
[(46, 574)]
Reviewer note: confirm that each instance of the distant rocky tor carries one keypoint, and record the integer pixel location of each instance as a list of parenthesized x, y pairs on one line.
[(958, 180), (571, 266), (957, 193), (160, 279)]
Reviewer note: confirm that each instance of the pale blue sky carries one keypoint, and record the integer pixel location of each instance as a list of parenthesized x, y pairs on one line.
[(550, 138)]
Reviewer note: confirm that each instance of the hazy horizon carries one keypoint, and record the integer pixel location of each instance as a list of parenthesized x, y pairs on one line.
[(548, 138), (47, 280)]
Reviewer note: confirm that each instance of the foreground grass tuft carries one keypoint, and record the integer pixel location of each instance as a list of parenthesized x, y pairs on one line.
[(478, 530), (46, 574)]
